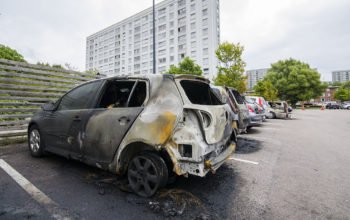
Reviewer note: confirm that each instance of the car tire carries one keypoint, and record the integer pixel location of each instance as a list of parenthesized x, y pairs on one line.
[(35, 142), (273, 115), (348, 108), (147, 172)]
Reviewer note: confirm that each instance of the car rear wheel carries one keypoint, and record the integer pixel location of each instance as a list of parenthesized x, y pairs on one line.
[(35, 142), (273, 115), (147, 172)]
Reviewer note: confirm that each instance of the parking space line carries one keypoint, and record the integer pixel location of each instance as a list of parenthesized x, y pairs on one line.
[(51, 206), (244, 161)]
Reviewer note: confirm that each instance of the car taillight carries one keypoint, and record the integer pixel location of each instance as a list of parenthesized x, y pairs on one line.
[(250, 108)]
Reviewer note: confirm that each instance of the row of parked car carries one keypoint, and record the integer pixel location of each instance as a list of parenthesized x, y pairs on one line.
[(252, 110), (150, 128), (335, 105)]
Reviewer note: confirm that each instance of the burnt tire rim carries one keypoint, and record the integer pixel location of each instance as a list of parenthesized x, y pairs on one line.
[(34, 140), (144, 176)]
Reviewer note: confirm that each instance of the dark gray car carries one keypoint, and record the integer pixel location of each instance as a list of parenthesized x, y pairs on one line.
[(149, 127)]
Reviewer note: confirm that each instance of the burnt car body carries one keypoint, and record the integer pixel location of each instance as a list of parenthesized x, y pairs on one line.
[(278, 109), (237, 104), (256, 113), (223, 95), (148, 127)]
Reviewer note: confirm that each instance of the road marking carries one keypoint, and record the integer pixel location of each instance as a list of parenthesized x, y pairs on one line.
[(245, 161), (51, 206)]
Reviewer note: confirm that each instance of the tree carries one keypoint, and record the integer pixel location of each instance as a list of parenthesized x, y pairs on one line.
[(186, 66), (343, 93), (231, 66), (10, 54), (266, 89), (295, 81)]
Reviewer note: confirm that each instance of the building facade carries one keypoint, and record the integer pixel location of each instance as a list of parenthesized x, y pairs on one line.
[(184, 28), (341, 76), (328, 94), (254, 76)]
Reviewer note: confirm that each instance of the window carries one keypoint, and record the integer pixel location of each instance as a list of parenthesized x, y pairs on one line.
[(205, 31), (205, 21), (162, 27), (193, 7), (205, 51), (80, 98), (205, 12), (182, 11), (199, 93), (121, 94), (162, 60), (193, 35)]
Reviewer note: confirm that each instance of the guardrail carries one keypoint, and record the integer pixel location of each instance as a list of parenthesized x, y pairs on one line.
[(24, 88)]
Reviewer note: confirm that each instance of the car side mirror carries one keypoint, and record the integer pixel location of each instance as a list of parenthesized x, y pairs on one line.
[(48, 106)]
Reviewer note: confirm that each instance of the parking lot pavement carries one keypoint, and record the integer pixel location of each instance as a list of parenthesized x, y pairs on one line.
[(285, 169)]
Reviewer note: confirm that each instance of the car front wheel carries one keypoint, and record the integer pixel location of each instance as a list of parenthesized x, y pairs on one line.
[(147, 172), (35, 142)]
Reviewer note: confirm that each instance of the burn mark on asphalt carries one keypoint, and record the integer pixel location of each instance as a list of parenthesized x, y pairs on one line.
[(246, 145)]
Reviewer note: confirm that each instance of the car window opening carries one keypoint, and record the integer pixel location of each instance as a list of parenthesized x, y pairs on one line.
[(199, 93), (121, 94), (238, 97)]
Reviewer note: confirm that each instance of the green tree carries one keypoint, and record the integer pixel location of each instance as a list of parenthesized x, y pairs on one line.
[(266, 89), (186, 66), (231, 66), (10, 54), (343, 93), (295, 81)]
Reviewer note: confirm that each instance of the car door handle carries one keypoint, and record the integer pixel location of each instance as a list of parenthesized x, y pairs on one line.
[(124, 119), (76, 118)]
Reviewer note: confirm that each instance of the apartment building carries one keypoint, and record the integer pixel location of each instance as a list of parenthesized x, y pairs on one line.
[(183, 28), (341, 76), (254, 76)]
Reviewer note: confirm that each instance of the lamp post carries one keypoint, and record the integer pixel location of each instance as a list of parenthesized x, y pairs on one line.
[(154, 37)]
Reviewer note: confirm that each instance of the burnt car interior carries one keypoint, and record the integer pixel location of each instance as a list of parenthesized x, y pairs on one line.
[(199, 93), (121, 94)]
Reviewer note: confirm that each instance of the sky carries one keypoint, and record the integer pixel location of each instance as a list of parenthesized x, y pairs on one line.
[(314, 31)]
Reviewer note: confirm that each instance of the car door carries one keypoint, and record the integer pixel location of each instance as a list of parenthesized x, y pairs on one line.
[(243, 111), (108, 122), (64, 124)]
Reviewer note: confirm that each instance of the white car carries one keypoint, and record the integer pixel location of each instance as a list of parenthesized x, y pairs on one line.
[(346, 105)]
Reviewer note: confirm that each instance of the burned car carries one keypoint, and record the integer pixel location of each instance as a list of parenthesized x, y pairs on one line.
[(222, 93), (279, 109), (146, 127)]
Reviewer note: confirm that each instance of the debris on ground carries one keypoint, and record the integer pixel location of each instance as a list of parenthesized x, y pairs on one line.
[(178, 202), (246, 145)]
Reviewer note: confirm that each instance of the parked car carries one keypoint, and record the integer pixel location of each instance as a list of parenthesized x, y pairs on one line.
[(346, 105), (332, 105), (279, 109), (223, 95), (260, 101), (256, 115), (238, 105), (147, 127)]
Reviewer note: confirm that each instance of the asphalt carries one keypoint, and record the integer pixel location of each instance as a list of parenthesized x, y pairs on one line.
[(300, 170)]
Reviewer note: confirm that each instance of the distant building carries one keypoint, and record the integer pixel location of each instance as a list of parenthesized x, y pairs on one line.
[(184, 28), (254, 76), (328, 94), (341, 76)]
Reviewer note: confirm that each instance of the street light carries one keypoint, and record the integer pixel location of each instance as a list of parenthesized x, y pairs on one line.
[(154, 37)]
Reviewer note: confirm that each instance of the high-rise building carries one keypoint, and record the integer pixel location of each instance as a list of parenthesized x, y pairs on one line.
[(184, 28), (254, 76), (341, 76)]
